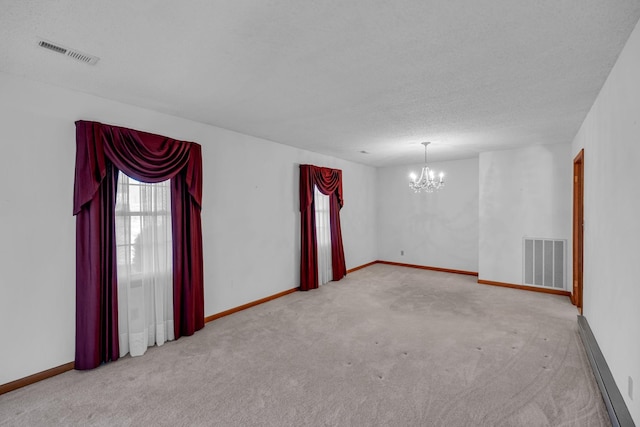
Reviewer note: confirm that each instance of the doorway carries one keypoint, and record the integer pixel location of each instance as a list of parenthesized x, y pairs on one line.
[(578, 228)]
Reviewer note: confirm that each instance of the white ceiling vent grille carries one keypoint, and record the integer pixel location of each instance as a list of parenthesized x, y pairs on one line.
[(72, 53)]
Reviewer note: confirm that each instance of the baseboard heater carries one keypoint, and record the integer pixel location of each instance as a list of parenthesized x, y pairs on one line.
[(617, 409)]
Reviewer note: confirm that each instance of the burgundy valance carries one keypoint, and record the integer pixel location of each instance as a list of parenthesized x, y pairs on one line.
[(143, 156), (327, 180)]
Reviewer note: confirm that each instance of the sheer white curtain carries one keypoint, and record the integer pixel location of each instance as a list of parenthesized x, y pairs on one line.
[(323, 237), (144, 257)]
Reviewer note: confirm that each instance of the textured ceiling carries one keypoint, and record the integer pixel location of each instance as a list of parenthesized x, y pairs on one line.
[(338, 77)]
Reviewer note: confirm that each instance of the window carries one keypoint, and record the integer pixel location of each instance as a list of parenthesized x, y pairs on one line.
[(143, 216)]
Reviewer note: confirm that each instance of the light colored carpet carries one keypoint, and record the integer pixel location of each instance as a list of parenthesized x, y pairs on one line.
[(386, 346)]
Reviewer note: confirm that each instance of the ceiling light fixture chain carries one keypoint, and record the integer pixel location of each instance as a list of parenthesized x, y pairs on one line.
[(427, 181)]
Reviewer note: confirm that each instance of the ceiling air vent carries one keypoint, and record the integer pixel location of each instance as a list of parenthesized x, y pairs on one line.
[(72, 53)]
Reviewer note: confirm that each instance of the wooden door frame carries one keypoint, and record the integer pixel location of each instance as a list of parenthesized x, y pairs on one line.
[(578, 229)]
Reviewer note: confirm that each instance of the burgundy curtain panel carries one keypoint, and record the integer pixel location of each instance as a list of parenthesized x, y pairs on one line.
[(101, 152), (329, 182)]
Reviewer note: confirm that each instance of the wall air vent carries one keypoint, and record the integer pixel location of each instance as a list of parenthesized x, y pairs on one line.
[(544, 262), (72, 53)]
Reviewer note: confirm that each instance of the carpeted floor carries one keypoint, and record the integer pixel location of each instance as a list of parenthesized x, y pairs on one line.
[(386, 346)]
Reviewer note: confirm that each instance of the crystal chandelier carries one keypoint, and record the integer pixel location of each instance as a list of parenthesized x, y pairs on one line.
[(427, 181)]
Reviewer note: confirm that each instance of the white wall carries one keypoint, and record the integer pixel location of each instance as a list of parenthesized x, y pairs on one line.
[(523, 192), (250, 215), (437, 229), (610, 136)]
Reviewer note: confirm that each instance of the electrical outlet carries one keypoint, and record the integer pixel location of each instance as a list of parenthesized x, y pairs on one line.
[(401, 253), (630, 388)]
